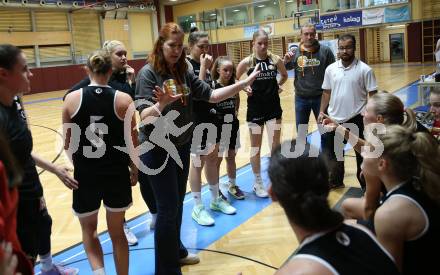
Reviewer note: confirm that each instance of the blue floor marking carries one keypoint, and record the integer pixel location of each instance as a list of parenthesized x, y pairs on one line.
[(193, 235), (408, 94), (43, 100)]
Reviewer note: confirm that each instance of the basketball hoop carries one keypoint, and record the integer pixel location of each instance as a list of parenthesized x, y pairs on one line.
[(302, 17)]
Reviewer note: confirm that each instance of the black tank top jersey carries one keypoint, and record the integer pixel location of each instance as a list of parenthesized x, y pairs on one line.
[(14, 126), (203, 110), (226, 106), (419, 254), (96, 116), (348, 250), (265, 87)]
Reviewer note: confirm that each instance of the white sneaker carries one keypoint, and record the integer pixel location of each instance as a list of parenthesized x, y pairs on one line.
[(201, 216), (190, 259), (131, 238), (260, 190), (223, 206)]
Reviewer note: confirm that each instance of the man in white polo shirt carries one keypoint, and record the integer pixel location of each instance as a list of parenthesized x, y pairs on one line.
[(347, 84)]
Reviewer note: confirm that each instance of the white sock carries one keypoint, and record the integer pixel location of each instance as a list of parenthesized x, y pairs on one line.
[(99, 271), (257, 176), (197, 198), (232, 181), (46, 262), (224, 186), (214, 191)]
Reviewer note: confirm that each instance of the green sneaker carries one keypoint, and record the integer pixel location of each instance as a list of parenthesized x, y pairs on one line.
[(223, 206), (201, 216)]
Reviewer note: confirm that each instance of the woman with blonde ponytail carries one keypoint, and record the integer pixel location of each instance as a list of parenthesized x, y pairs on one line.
[(104, 173), (123, 79), (407, 223), (387, 109)]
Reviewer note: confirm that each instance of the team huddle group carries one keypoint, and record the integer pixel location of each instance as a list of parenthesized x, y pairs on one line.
[(392, 228)]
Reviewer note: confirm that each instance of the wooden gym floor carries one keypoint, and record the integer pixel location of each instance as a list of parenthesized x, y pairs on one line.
[(265, 236)]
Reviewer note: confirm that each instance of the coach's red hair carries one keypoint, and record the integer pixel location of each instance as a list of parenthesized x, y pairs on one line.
[(157, 59)]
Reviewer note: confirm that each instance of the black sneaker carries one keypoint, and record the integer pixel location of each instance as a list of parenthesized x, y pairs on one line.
[(236, 192)]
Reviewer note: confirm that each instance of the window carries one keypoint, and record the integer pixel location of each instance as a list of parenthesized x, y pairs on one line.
[(291, 8), (349, 4), (237, 15), (211, 20), (371, 3), (186, 22), (332, 5), (55, 55), (306, 5), (329, 5), (266, 10), (29, 51)]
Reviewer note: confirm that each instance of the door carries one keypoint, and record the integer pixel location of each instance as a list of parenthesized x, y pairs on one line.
[(397, 48)]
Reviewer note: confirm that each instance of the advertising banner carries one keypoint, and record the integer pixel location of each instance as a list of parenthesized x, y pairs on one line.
[(340, 20), (249, 30), (269, 28), (397, 14), (373, 16)]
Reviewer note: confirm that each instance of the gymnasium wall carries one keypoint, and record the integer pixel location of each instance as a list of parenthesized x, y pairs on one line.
[(431, 8), (282, 27), (372, 39), (202, 5), (141, 32), (373, 45), (118, 29), (58, 37), (378, 41), (64, 77), (231, 34), (50, 33), (385, 41), (62, 39), (86, 32)]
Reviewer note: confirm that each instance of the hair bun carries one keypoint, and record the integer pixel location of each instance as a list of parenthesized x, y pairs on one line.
[(99, 62)]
